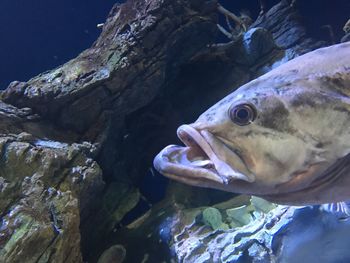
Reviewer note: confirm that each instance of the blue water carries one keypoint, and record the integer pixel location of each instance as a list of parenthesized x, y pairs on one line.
[(42, 34)]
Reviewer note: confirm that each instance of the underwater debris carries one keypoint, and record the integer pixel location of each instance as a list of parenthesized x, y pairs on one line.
[(346, 29), (242, 23), (263, 6), (50, 144), (114, 254)]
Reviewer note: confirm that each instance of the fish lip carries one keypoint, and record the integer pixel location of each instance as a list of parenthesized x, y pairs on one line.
[(165, 166), (179, 160)]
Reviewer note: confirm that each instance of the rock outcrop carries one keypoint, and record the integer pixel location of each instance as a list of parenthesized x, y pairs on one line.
[(55, 127), (45, 189)]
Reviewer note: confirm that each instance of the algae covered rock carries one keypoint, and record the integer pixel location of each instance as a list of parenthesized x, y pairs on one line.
[(261, 204), (212, 217), (239, 216), (283, 234), (45, 187)]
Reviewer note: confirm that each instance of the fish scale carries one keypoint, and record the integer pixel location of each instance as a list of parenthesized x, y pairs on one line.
[(291, 142)]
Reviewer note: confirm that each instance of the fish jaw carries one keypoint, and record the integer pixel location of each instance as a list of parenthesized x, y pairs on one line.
[(289, 153), (201, 162), (167, 163)]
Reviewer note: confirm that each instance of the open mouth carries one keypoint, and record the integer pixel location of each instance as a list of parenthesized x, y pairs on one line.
[(204, 157)]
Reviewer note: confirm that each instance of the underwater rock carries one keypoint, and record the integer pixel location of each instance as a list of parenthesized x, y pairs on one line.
[(345, 38), (239, 216), (192, 241), (285, 234), (51, 185), (115, 254), (257, 42), (288, 29), (45, 189), (261, 204), (212, 217)]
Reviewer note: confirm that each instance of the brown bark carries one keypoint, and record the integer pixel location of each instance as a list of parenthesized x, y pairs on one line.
[(142, 43), (54, 125)]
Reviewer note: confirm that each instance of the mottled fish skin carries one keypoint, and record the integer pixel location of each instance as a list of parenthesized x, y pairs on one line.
[(296, 150)]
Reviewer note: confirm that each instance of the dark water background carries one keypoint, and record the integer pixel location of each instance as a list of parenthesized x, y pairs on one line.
[(39, 35)]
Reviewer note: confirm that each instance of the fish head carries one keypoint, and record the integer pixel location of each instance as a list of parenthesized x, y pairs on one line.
[(276, 135)]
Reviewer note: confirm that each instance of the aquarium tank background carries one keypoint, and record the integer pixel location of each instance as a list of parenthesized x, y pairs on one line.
[(47, 34), (92, 91)]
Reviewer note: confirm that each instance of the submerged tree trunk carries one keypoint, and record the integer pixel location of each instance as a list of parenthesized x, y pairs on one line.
[(55, 126), (76, 141)]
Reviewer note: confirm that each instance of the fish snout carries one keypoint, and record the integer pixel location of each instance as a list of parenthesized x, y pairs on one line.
[(205, 144)]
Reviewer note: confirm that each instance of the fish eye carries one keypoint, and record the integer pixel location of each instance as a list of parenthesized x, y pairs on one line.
[(242, 114)]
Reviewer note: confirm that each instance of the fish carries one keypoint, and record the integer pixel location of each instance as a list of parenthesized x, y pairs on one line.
[(284, 136)]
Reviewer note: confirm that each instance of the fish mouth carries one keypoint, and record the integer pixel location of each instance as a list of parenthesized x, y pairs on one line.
[(202, 161)]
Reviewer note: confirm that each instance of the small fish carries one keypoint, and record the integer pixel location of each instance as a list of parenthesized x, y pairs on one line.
[(284, 136)]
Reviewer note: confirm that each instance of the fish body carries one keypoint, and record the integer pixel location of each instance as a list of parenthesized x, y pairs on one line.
[(284, 136)]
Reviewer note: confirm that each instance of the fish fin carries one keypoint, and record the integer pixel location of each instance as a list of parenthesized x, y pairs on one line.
[(340, 209)]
